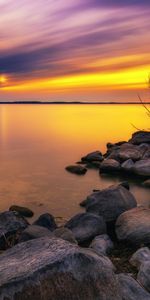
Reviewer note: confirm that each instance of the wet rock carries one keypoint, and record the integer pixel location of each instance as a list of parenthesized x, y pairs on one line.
[(110, 202), (102, 244), (144, 275), (34, 232), (86, 226), (23, 211), (127, 166), (140, 137), (133, 226), (76, 169), (10, 223), (142, 167), (126, 151), (46, 220), (65, 234), (141, 256), (55, 269), (109, 165), (146, 183), (93, 165), (93, 156), (131, 289)]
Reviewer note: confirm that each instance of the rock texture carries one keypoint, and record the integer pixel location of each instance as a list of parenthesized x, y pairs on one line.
[(23, 211), (76, 169), (10, 223), (110, 202), (140, 137), (133, 226), (86, 226), (141, 256), (102, 244), (65, 234), (144, 275), (55, 269), (142, 167), (34, 232), (93, 156), (109, 165), (46, 220)]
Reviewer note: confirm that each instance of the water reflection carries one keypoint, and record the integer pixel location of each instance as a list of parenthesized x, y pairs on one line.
[(38, 141)]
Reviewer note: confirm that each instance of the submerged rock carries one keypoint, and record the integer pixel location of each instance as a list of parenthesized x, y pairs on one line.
[(55, 269), (140, 137), (133, 226), (46, 220), (23, 211), (93, 156), (131, 289), (76, 169), (34, 232), (10, 223), (102, 244), (110, 202), (86, 226)]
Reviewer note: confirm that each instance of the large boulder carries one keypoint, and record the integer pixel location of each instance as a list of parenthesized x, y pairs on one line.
[(76, 169), (86, 226), (55, 269), (110, 202), (140, 137), (23, 211), (10, 223), (126, 151), (109, 165), (34, 232), (131, 289), (93, 156), (142, 167), (46, 220), (102, 244), (133, 226)]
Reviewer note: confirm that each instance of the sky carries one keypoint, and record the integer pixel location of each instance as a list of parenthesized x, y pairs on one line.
[(74, 50)]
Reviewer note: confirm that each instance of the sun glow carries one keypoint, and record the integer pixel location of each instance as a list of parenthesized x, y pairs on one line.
[(3, 79)]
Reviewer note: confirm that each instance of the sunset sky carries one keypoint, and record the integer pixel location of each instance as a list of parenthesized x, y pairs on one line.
[(84, 50)]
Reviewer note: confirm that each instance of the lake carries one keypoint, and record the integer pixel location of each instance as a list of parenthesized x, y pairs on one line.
[(37, 142)]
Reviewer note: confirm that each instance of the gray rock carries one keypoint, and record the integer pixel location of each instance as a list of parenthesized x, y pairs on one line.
[(133, 226), (102, 244), (142, 167), (126, 151), (86, 226), (23, 211), (55, 269), (76, 169), (65, 234), (10, 223), (144, 275), (110, 202), (127, 165), (93, 156), (131, 289), (34, 232), (109, 165), (146, 183), (141, 256), (140, 137), (46, 220)]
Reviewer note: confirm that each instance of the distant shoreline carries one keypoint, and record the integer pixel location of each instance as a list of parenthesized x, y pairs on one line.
[(73, 102)]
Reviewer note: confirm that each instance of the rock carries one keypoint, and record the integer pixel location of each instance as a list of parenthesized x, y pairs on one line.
[(144, 275), (86, 226), (109, 165), (131, 289), (142, 167), (141, 256), (110, 202), (140, 137), (126, 151), (125, 184), (65, 234), (23, 211), (46, 220), (146, 183), (76, 169), (133, 226), (102, 244), (34, 232), (93, 165), (93, 156), (127, 166), (10, 223), (55, 269)]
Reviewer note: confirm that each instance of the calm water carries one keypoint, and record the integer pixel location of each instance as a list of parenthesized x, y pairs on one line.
[(38, 141)]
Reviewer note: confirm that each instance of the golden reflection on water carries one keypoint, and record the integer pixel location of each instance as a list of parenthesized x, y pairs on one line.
[(38, 141)]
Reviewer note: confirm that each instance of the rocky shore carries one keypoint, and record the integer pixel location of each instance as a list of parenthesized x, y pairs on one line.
[(100, 254)]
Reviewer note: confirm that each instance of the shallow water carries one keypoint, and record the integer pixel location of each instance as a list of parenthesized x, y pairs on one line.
[(38, 141)]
